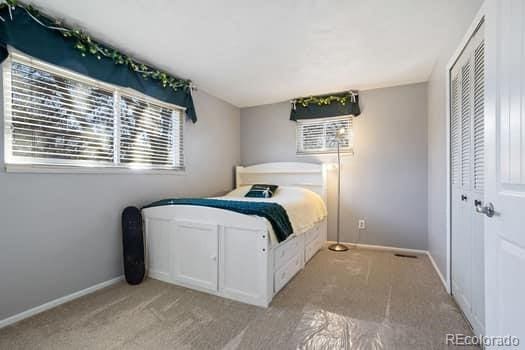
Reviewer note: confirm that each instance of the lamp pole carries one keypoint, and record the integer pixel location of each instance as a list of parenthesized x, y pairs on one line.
[(338, 247)]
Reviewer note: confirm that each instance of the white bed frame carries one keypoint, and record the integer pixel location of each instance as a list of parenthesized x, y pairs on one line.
[(230, 254)]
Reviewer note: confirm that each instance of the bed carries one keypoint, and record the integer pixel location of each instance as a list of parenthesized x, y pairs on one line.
[(234, 255)]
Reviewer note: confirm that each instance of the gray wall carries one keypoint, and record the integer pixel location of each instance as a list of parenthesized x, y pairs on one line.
[(60, 233), (385, 182), (437, 133)]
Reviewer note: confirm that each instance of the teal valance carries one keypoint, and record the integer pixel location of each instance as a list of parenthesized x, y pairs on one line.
[(325, 106), (38, 36)]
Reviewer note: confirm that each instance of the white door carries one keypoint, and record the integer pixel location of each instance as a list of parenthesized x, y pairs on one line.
[(194, 260), (505, 185), (467, 82)]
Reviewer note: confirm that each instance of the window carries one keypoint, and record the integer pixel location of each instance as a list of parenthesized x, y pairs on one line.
[(57, 118), (317, 136), (148, 134)]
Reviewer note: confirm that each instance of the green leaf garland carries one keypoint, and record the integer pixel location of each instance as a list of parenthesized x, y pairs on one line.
[(326, 100), (87, 46)]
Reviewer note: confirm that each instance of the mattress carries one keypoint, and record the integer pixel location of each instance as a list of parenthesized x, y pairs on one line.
[(305, 208)]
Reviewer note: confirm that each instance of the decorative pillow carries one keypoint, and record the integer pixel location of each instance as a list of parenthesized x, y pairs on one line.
[(261, 191)]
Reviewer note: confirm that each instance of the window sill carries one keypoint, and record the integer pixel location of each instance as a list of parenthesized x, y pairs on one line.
[(44, 169)]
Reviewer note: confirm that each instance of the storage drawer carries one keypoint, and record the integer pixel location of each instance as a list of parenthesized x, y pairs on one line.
[(312, 248), (312, 234), (286, 251), (285, 273)]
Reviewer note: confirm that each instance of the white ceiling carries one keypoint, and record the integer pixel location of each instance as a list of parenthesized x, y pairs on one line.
[(251, 52)]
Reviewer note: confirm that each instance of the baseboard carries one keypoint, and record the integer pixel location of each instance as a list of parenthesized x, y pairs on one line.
[(383, 247), (54, 303), (441, 277)]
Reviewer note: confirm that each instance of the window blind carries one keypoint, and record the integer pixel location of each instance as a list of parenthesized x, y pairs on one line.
[(55, 118), (317, 136), (148, 134)]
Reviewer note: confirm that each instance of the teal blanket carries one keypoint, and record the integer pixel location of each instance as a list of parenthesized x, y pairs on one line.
[(273, 212)]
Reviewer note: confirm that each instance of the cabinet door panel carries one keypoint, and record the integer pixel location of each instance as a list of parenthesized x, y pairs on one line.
[(194, 261)]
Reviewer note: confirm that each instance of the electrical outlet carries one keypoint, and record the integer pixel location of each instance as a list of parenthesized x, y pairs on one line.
[(361, 224)]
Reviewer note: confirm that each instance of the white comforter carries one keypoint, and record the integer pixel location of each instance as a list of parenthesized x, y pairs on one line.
[(304, 207)]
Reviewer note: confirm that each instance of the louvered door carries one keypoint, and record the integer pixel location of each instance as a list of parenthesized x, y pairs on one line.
[(467, 175)]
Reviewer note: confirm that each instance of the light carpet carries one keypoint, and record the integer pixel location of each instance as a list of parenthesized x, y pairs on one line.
[(360, 299)]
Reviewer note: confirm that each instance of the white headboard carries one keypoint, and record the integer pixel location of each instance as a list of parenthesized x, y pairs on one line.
[(306, 175)]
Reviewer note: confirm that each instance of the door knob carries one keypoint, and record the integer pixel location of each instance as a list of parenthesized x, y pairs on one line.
[(487, 209), (463, 197)]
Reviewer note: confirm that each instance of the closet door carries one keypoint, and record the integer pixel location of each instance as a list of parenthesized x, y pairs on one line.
[(461, 130), (478, 189), (467, 169)]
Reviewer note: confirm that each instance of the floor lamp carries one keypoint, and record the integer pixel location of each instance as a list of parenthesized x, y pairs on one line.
[(339, 136)]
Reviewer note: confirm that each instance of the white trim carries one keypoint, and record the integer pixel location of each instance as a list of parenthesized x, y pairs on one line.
[(383, 247), (58, 169), (480, 16), (54, 303), (443, 280)]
